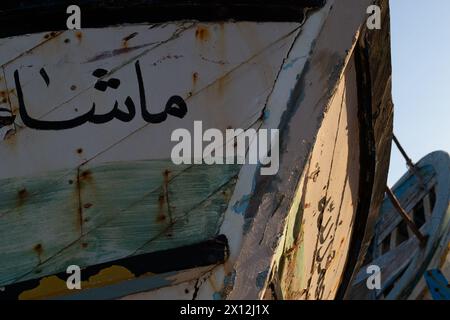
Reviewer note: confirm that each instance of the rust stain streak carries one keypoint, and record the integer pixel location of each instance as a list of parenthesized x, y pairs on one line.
[(5, 95), (22, 196), (54, 35), (79, 209), (166, 194), (161, 214), (39, 250), (130, 36), (195, 78), (202, 33), (116, 52)]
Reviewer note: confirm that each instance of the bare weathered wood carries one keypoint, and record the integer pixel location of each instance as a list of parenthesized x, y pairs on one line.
[(391, 265), (109, 212), (316, 86), (103, 280), (376, 56), (320, 220)]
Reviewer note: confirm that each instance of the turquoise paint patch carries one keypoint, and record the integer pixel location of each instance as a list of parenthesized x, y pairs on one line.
[(229, 280), (241, 206), (291, 63), (125, 211), (261, 279), (217, 296)]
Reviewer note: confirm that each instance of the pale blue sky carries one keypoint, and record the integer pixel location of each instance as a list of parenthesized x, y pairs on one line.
[(420, 31)]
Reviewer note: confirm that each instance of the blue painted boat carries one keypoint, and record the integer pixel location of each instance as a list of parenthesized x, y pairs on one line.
[(403, 261)]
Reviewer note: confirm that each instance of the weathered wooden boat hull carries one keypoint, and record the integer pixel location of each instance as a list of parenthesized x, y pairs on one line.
[(403, 261), (108, 198)]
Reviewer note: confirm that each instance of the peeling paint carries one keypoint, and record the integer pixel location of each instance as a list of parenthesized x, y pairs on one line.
[(262, 278), (241, 206)]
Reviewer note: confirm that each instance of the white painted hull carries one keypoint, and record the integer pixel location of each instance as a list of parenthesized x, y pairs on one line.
[(109, 181)]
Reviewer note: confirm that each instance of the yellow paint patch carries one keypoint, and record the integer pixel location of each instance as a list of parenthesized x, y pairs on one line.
[(53, 286), (48, 287), (108, 276)]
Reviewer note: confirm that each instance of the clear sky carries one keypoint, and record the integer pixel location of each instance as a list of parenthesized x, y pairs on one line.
[(420, 31)]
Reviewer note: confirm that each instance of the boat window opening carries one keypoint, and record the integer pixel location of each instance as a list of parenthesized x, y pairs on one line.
[(432, 197), (370, 252), (402, 233), (386, 245), (419, 214), (389, 288)]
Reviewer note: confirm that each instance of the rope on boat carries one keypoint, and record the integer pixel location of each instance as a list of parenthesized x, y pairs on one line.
[(409, 162), (396, 203), (406, 217)]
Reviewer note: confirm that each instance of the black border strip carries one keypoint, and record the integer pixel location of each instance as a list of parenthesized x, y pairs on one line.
[(32, 16)]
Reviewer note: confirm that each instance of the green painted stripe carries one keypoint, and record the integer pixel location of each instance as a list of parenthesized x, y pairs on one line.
[(108, 212)]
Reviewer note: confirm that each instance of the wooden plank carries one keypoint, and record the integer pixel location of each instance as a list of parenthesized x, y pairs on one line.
[(7, 118), (391, 265), (406, 217), (270, 204), (428, 208), (409, 194), (318, 237), (218, 80), (377, 96), (101, 281), (231, 72), (107, 213), (236, 223), (38, 217)]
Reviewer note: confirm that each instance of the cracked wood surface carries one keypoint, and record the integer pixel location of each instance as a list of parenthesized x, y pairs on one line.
[(214, 93), (319, 225), (328, 59), (299, 126), (376, 57), (122, 211), (248, 275), (95, 194), (220, 79)]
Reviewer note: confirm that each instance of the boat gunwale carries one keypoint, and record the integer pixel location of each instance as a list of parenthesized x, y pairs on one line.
[(18, 20)]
